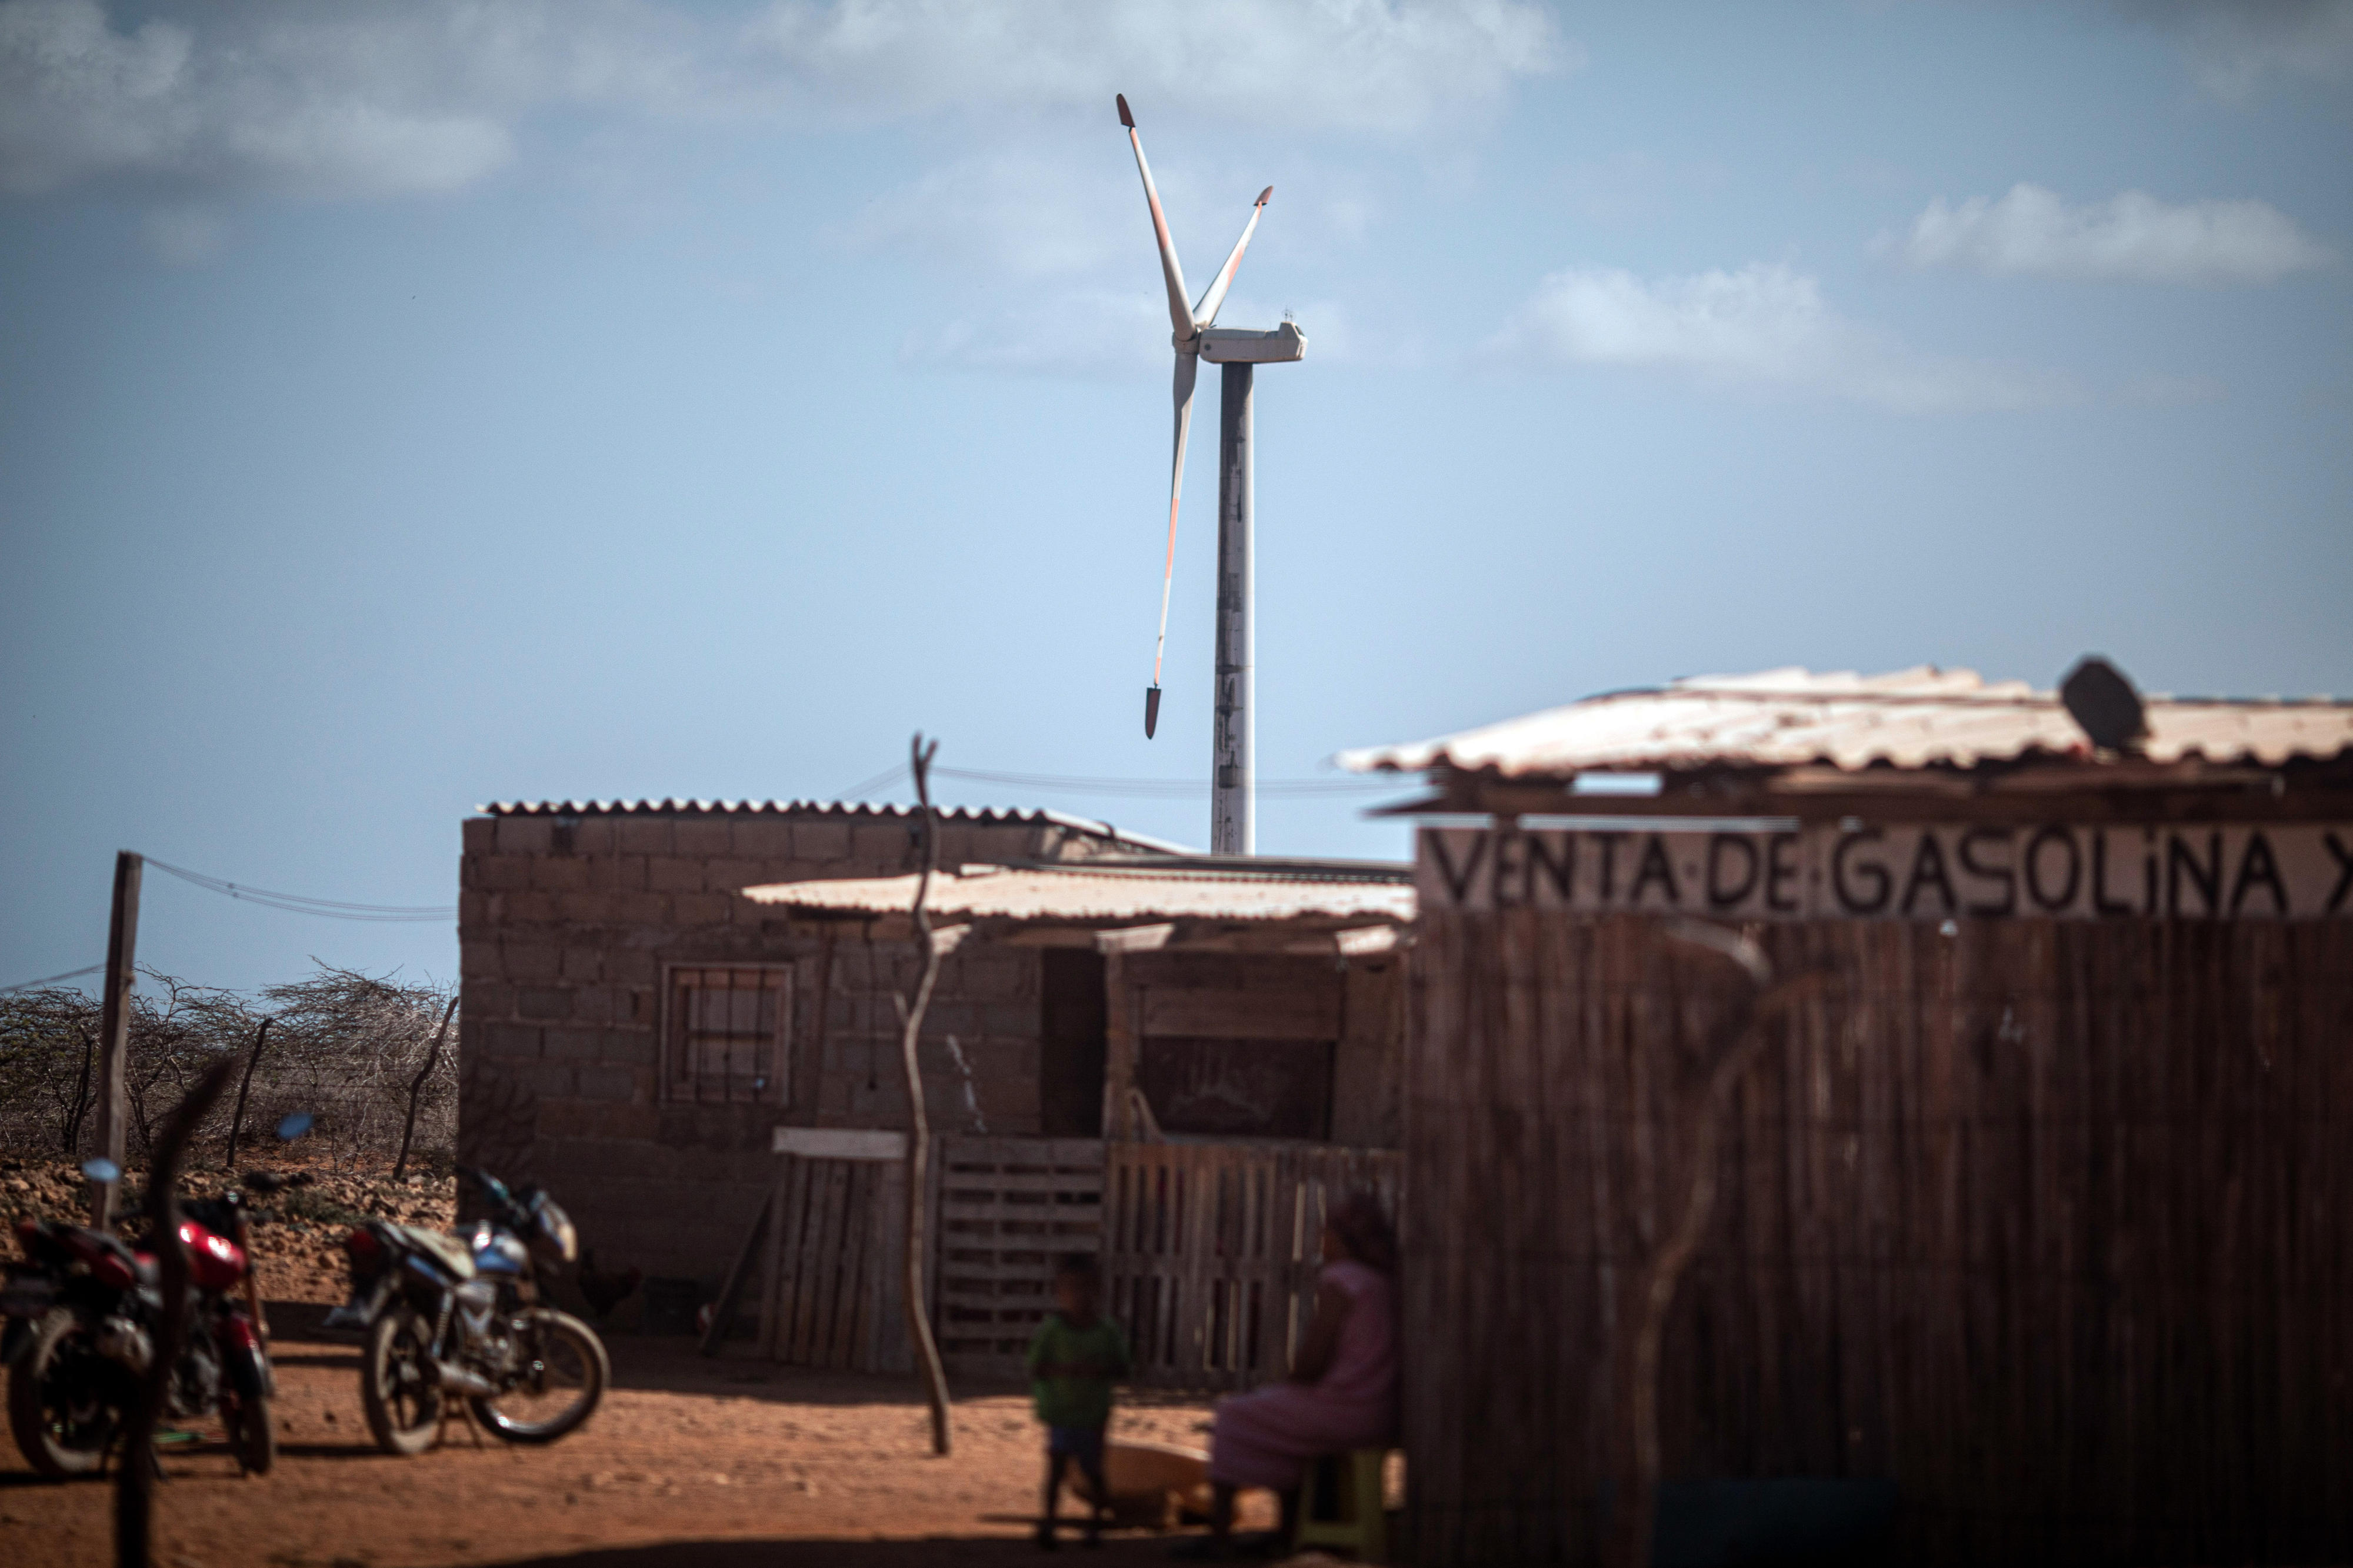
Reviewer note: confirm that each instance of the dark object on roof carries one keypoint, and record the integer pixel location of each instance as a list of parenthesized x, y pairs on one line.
[(2104, 702)]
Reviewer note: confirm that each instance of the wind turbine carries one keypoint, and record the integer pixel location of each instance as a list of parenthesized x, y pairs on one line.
[(1233, 796)]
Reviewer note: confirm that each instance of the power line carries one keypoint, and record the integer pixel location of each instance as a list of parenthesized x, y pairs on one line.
[(1129, 788), (1170, 789), (866, 786), (52, 980), (296, 903)]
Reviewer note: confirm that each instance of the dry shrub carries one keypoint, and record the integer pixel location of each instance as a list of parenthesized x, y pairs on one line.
[(343, 1046)]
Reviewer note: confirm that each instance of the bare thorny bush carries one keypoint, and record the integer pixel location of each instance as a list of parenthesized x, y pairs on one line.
[(343, 1046)]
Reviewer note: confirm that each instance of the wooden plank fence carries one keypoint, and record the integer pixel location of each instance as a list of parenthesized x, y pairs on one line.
[(2044, 1221), (1002, 1210), (1211, 1251)]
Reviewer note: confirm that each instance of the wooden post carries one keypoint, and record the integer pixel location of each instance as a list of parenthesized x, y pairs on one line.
[(135, 1484), (1119, 1049), (919, 1137), (237, 1118), (114, 1027), (415, 1087)]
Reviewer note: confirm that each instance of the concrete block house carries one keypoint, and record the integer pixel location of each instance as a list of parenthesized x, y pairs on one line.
[(633, 1031), (655, 993)]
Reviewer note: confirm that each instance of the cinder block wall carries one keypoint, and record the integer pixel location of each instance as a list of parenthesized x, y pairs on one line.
[(564, 925)]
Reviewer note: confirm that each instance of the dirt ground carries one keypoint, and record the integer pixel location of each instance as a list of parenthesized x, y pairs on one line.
[(703, 1463)]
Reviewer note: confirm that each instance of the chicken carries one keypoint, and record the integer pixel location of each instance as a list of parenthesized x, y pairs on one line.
[(606, 1291)]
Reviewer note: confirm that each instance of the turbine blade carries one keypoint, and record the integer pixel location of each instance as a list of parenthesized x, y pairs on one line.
[(1179, 316), (1188, 366), (1204, 314)]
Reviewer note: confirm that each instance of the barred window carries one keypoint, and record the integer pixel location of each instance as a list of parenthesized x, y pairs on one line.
[(728, 1035)]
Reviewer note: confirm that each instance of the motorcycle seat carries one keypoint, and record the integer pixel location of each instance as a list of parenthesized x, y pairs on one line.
[(448, 1251)]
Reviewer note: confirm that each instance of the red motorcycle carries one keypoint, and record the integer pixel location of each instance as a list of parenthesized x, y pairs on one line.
[(82, 1313)]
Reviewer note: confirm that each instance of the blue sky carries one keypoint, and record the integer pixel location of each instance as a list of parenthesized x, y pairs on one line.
[(408, 407)]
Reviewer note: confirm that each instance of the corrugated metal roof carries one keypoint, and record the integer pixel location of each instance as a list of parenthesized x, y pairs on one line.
[(986, 815), (1082, 893), (1909, 719)]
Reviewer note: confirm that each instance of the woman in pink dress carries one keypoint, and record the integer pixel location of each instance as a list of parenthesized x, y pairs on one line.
[(1343, 1389)]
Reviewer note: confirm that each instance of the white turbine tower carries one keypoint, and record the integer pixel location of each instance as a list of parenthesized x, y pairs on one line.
[(1233, 798)]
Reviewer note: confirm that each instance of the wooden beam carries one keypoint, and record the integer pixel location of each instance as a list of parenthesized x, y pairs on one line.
[(840, 1144), (1134, 939), (2012, 806), (1119, 1049)]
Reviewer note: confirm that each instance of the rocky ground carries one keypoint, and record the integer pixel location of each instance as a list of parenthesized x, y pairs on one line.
[(298, 1238)]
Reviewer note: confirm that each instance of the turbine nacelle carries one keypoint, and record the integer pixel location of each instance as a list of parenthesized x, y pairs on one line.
[(1239, 345)]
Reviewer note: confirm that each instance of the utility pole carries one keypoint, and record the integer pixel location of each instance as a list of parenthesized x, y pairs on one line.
[(114, 1028), (1233, 750)]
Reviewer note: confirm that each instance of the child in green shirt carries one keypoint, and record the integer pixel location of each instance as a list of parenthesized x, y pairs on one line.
[(1073, 1362)]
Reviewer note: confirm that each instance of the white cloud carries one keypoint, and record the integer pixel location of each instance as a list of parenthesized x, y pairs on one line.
[(1015, 212), (1061, 208), (1349, 65), (1762, 327), (313, 98), (2133, 237), (2235, 47), (296, 106)]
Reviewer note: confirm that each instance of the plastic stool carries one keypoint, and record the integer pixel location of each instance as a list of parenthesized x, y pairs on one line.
[(1359, 1525)]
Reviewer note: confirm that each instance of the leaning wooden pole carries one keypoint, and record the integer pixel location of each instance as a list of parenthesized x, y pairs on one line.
[(134, 1486), (244, 1086), (417, 1087), (919, 1131), (1649, 1290), (114, 1028)]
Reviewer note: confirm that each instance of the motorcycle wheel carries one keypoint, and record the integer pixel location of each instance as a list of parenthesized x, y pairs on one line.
[(62, 1422), (253, 1435), (404, 1407), (565, 1371)]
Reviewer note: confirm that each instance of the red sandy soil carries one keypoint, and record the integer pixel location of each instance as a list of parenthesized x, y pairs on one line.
[(702, 1463)]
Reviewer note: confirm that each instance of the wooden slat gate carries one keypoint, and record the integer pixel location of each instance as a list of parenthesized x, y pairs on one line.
[(1002, 1209), (1211, 1251), (835, 1237)]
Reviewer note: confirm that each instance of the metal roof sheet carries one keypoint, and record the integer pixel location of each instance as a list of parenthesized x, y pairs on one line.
[(1914, 718), (986, 815), (1082, 893)]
